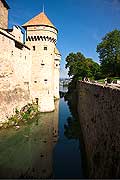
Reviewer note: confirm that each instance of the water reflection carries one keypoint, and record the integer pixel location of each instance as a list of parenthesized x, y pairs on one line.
[(73, 131), (27, 153), (67, 152), (63, 88), (63, 91), (37, 150), (72, 128)]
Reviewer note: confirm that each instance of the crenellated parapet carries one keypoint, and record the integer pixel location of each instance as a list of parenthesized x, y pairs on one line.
[(41, 38)]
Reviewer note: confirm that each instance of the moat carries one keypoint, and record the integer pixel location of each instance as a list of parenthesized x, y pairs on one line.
[(42, 148)]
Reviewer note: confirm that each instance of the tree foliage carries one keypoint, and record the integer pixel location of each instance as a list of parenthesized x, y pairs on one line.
[(79, 66), (109, 53)]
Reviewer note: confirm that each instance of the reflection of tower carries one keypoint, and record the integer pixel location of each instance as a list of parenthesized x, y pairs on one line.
[(29, 152), (41, 38), (55, 122), (42, 144)]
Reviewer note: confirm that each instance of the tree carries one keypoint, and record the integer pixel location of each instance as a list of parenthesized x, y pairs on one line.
[(109, 53), (73, 62), (94, 68), (79, 66)]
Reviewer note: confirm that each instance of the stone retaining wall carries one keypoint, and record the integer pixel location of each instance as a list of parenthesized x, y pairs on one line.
[(99, 115)]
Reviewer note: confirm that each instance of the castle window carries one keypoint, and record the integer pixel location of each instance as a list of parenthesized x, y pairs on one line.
[(2, 38), (12, 53), (56, 65), (26, 83), (20, 54), (36, 99), (25, 57), (35, 81), (45, 81), (33, 48), (42, 64), (45, 48)]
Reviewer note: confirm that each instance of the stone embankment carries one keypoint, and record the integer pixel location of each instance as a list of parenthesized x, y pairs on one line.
[(99, 114)]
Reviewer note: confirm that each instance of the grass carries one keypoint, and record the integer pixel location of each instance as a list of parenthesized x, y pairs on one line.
[(101, 80)]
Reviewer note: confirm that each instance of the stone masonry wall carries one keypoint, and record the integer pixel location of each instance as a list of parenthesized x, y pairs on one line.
[(3, 16), (99, 115), (42, 71), (10, 100), (56, 75), (15, 71)]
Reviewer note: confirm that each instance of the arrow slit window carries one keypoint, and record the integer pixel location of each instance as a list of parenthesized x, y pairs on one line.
[(45, 48)]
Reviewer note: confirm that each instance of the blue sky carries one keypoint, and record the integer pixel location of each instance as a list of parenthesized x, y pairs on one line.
[(81, 23)]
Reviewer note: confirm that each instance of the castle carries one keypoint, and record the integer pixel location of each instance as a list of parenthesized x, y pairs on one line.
[(29, 71)]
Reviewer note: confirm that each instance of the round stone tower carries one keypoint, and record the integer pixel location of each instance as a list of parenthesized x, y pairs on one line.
[(41, 37)]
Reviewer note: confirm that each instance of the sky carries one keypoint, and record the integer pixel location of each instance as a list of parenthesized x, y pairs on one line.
[(81, 24)]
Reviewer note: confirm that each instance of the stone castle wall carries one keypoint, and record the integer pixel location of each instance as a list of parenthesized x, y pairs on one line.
[(41, 40), (56, 76), (15, 74), (34, 74), (3, 16), (99, 115)]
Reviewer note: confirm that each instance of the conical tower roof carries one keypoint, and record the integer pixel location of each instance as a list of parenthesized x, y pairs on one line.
[(40, 19)]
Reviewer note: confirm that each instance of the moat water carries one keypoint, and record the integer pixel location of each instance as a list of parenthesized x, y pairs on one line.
[(42, 148)]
